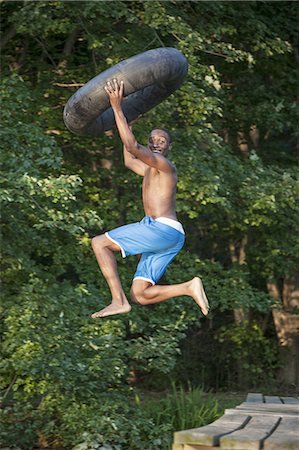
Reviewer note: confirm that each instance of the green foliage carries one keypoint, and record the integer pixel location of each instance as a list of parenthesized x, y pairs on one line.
[(247, 347), (227, 289), (183, 409)]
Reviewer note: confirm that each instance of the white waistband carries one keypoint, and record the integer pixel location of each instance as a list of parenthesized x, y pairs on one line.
[(172, 223)]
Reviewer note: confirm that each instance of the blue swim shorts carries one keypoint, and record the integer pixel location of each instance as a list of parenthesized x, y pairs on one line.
[(158, 240)]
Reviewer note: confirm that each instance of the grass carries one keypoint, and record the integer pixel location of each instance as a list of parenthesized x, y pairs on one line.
[(230, 399), (181, 409)]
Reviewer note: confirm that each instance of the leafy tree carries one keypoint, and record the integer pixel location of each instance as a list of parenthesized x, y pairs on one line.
[(66, 379)]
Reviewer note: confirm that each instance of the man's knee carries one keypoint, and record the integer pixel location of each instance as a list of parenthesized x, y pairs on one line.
[(101, 242), (98, 242), (137, 295)]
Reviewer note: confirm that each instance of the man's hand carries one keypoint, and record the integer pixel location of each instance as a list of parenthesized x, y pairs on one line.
[(115, 93)]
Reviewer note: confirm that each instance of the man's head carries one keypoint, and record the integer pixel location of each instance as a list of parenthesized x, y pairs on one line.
[(159, 141)]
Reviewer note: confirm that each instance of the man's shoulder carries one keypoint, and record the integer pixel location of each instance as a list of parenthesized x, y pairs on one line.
[(171, 164), (169, 173)]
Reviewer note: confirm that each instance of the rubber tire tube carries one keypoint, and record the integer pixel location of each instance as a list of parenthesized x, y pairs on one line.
[(149, 78)]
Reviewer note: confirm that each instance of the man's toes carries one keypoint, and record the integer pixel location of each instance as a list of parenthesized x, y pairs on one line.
[(95, 315)]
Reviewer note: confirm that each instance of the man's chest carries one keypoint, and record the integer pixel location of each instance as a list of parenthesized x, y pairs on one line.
[(151, 179)]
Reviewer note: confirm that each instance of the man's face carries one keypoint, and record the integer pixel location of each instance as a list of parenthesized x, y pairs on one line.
[(158, 142)]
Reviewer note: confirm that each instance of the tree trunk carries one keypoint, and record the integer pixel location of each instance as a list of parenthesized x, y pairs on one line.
[(238, 255), (286, 321), (254, 134), (67, 50), (242, 143), (7, 36)]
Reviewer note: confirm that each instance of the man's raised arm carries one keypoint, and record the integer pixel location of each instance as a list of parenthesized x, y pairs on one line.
[(115, 94)]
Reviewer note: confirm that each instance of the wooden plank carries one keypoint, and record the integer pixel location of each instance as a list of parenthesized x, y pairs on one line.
[(269, 412), (252, 436), (272, 399), (254, 398), (286, 435), (266, 407), (290, 400), (269, 406), (209, 435), (178, 447), (199, 447)]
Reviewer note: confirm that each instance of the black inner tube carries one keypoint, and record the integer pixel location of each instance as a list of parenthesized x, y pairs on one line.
[(149, 78)]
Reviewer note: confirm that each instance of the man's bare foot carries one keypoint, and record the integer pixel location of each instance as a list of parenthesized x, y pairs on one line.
[(199, 295), (113, 308)]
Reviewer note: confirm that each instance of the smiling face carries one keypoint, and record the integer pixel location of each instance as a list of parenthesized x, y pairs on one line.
[(159, 141)]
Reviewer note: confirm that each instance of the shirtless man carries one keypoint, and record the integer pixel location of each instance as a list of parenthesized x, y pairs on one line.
[(158, 237)]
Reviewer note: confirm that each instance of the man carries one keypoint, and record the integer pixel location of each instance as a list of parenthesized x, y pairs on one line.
[(159, 236)]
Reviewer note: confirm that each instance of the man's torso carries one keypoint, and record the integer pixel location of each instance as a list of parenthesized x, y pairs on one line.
[(158, 193)]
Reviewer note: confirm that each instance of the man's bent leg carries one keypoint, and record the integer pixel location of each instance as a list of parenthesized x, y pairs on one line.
[(103, 249), (145, 293)]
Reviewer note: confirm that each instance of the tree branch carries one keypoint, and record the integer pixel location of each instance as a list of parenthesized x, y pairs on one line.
[(9, 387), (46, 51), (67, 85)]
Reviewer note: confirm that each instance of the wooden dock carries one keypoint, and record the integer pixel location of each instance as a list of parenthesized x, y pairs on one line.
[(261, 422)]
